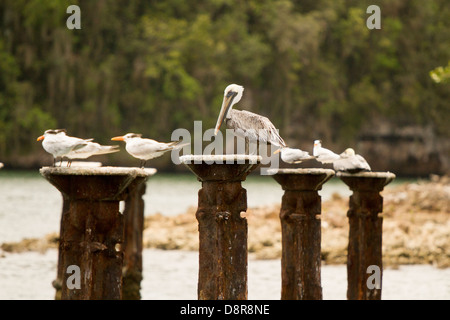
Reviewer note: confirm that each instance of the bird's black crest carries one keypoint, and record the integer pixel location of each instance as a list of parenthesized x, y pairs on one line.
[(55, 131), (134, 135)]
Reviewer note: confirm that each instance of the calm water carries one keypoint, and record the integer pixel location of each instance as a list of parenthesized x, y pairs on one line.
[(172, 275)]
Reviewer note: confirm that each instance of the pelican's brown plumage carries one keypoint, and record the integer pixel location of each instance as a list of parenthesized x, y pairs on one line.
[(251, 126)]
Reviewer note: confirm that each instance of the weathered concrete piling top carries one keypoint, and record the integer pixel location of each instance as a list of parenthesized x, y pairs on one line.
[(73, 182), (366, 181), (310, 179), (230, 167)]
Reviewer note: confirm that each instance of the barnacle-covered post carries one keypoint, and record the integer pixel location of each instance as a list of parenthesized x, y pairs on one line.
[(222, 230), (364, 257), (92, 229), (301, 231)]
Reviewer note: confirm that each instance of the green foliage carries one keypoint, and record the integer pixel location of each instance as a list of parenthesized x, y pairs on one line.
[(441, 74), (312, 67)]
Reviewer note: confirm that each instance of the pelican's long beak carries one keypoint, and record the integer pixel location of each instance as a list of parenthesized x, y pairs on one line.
[(40, 138), (277, 151), (226, 105), (120, 138)]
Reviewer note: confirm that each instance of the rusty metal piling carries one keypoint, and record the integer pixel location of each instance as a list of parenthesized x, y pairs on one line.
[(365, 232), (301, 232), (222, 231), (92, 229), (133, 237)]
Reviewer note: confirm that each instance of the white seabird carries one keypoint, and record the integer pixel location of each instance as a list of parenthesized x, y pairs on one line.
[(290, 155), (350, 162), (248, 125), (322, 154), (91, 149), (146, 149), (58, 144)]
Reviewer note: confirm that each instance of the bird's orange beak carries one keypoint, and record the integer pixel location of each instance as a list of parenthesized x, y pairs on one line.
[(40, 138), (277, 151), (120, 138)]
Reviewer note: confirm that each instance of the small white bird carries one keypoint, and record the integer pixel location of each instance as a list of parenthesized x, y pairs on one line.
[(322, 154), (91, 149), (57, 143), (350, 162), (290, 155), (146, 149), (1, 165)]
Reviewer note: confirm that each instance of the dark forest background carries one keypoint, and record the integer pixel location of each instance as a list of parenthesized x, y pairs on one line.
[(312, 67)]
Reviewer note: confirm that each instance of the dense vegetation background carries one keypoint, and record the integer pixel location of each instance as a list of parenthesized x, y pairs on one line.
[(312, 67)]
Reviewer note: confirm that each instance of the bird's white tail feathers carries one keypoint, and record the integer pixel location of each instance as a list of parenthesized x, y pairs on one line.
[(108, 149), (306, 158), (177, 145)]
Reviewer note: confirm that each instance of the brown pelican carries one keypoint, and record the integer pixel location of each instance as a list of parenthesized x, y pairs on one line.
[(57, 143), (251, 126), (350, 162), (146, 149), (322, 154), (290, 155)]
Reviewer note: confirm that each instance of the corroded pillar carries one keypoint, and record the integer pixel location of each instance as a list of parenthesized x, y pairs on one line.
[(57, 283), (364, 257), (133, 239), (222, 230), (301, 232), (92, 229)]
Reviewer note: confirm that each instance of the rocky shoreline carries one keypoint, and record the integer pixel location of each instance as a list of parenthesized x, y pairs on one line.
[(416, 228)]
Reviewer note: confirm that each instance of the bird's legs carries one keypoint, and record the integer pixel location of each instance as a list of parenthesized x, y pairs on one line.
[(54, 161), (143, 163)]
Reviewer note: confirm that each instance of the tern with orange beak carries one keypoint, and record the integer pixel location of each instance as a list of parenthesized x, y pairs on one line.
[(248, 125), (146, 149), (58, 144)]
